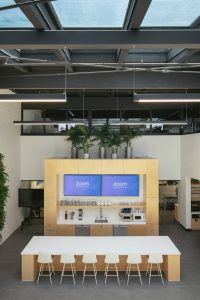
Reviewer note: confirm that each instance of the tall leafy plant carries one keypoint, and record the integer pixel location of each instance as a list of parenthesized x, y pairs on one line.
[(85, 139), (102, 135), (128, 134), (4, 192), (73, 135), (115, 141)]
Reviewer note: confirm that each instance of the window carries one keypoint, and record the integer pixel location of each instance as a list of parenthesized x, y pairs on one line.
[(91, 13), (172, 13), (12, 18)]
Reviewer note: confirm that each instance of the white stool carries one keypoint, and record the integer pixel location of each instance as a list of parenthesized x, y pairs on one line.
[(89, 259), (154, 259), (67, 258), (111, 261), (133, 261), (45, 258)]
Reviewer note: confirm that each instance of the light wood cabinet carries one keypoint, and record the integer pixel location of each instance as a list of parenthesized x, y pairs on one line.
[(64, 230), (101, 230), (50, 230), (136, 230)]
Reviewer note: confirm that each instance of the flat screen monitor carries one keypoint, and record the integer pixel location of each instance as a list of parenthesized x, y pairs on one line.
[(120, 185), (82, 185)]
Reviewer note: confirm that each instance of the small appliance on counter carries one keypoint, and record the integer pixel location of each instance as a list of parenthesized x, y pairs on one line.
[(126, 214), (71, 215), (80, 214), (138, 215)]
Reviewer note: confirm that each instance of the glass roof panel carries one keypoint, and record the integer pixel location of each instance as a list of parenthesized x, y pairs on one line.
[(91, 13), (172, 13), (13, 18)]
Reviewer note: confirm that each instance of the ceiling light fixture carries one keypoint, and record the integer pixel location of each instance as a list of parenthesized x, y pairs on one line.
[(167, 98), (9, 98)]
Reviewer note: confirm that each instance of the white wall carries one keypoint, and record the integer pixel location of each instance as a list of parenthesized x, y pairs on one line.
[(10, 147), (166, 149), (35, 149), (190, 168)]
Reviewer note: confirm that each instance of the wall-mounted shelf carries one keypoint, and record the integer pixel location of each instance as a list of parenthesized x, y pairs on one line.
[(103, 206)]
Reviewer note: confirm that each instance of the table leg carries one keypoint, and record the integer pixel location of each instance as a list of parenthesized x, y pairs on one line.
[(171, 267), (29, 267)]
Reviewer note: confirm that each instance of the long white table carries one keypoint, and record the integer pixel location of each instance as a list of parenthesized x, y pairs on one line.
[(122, 245)]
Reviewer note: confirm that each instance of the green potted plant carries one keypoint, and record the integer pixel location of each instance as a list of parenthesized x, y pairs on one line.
[(4, 193), (115, 141), (128, 135), (74, 137), (85, 140), (102, 135)]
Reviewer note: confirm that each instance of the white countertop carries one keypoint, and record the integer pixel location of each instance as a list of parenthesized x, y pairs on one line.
[(122, 245)]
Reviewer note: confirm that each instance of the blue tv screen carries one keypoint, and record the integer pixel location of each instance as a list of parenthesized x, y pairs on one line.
[(82, 185), (120, 185)]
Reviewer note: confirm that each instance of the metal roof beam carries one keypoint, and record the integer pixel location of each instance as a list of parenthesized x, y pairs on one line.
[(100, 39), (40, 17), (15, 53), (104, 80), (182, 55), (137, 12)]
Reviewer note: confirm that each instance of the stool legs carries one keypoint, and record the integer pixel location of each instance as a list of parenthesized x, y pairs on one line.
[(89, 275), (149, 271), (73, 272), (110, 268), (50, 271), (132, 268)]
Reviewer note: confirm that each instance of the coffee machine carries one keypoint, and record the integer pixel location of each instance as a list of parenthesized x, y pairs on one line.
[(80, 214)]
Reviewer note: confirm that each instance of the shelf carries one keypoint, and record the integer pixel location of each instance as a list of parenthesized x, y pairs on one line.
[(103, 206)]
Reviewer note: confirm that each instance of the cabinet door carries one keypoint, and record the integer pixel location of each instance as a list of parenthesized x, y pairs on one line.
[(50, 230), (65, 230), (106, 230), (95, 230), (138, 230)]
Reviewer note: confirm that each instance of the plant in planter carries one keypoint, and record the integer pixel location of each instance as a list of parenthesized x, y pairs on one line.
[(85, 140), (102, 135), (115, 141), (74, 137), (4, 193), (128, 135)]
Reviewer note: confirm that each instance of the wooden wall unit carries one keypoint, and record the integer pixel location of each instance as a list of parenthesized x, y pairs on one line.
[(147, 167)]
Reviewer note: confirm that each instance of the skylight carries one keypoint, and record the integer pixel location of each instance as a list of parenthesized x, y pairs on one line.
[(172, 13), (13, 18), (91, 13)]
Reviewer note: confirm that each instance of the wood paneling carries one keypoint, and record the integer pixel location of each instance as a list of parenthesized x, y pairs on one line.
[(94, 167), (112, 166), (134, 166), (67, 166), (152, 210)]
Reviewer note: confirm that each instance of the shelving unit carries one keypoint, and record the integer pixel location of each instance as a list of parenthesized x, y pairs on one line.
[(195, 205), (103, 206), (54, 213)]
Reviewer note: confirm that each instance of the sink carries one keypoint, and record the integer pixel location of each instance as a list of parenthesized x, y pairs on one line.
[(101, 220)]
